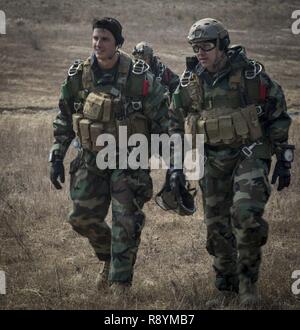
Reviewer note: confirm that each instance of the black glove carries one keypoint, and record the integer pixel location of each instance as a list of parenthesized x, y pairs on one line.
[(57, 170), (282, 171), (285, 156)]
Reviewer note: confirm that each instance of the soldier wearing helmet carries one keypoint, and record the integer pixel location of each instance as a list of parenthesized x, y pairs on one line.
[(242, 113), (163, 74)]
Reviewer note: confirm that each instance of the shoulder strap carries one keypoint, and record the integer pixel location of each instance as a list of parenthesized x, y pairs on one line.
[(256, 91), (249, 86), (124, 69), (87, 74)]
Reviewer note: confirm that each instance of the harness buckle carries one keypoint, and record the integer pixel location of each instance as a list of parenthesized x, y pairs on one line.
[(259, 110), (73, 68), (186, 78), (140, 66), (247, 151), (136, 105), (252, 73), (77, 106)]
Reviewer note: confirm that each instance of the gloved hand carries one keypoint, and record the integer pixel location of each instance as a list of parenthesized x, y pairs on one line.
[(57, 170), (282, 173)]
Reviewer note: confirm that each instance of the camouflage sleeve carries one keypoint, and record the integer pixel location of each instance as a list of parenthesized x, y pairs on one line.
[(178, 110), (171, 80), (277, 119), (62, 124), (156, 107)]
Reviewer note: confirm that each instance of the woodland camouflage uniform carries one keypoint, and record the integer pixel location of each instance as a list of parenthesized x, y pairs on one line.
[(234, 108), (92, 103)]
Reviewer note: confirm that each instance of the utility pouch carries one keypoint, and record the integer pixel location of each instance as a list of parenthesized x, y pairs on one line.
[(190, 126), (139, 124), (95, 130), (84, 127), (240, 125), (200, 128), (76, 118), (97, 107), (226, 129), (107, 109), (212, 129), (250, 115)]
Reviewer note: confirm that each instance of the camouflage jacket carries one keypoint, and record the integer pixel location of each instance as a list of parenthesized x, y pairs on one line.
[(154, 102), (274, 119), (165, 75)]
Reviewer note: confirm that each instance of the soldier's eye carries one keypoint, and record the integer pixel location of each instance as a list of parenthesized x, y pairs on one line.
[(205, 46), (208, 46)]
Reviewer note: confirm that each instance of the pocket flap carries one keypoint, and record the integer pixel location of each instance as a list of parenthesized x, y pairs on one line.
[(93, 107), (226, 128)]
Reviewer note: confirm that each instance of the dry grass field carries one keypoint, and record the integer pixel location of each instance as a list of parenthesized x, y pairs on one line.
[(49, 266)]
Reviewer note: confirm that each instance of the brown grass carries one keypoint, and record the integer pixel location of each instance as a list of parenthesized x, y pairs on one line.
[(48, 266)]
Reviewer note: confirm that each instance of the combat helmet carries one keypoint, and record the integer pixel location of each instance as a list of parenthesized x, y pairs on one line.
[(177, 198), (209, 29), (142, 49)]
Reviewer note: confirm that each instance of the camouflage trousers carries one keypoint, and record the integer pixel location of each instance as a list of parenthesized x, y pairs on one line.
[(92, 191), (235, 193)]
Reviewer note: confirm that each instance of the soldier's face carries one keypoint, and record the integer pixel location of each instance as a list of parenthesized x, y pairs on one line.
[(104, 44), (208, 58)]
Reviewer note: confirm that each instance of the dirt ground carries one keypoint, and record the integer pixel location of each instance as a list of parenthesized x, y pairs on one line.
[(48, 266)]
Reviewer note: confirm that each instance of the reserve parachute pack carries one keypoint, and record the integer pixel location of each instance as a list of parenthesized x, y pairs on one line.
[(230, 116), (102, 109)]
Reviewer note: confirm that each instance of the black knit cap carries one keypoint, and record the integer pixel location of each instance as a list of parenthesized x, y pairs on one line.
[(112, 25)]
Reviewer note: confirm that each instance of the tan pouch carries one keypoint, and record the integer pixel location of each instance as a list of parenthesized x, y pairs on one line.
[(95, 130), (240, 125), (84, 127), (226, 129), (190, 127), (250, 115), (212, 130), (75, 118), (97, 107), (200, 128), (107, 109)]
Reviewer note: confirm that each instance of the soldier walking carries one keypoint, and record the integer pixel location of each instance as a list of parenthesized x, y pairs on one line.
[(242, 113), (101, 94)]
